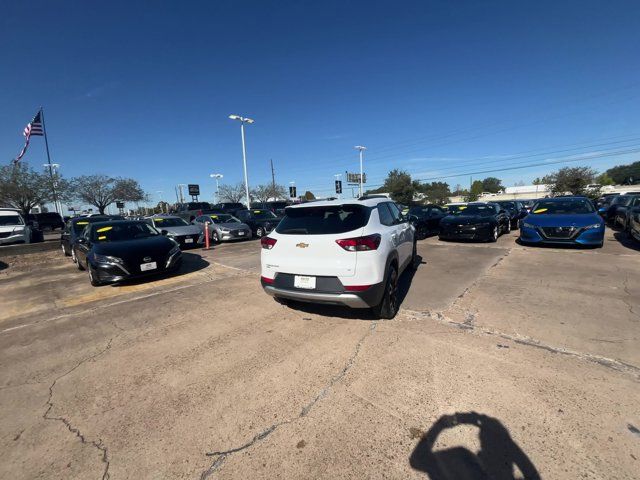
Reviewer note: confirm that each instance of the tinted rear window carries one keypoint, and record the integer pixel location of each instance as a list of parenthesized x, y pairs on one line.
[(323, 220)]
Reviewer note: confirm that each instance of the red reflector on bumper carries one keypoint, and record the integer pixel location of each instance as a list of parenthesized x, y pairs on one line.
[(356, 288), (267, 280)]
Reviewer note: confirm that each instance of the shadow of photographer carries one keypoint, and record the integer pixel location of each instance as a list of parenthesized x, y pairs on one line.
[(497, 458)]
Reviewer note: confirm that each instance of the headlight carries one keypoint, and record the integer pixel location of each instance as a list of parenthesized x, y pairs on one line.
[(225, 230), (595, 225), (174, 250), (106, 259), (528, 225)]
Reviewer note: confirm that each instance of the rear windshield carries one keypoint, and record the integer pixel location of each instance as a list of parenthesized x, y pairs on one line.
[(565, 207), (323, 220), (169, 222)]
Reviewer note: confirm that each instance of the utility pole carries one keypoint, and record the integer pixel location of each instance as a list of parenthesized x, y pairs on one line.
[(242, 121), (362, 149), (273, 176)]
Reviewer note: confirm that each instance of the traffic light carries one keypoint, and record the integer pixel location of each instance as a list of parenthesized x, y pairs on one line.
[(292, 192), (338, 186)]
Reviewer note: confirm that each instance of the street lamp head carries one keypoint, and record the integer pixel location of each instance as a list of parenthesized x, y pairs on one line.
[(216, 175), (249, 120), (234, 117), (360, 147)]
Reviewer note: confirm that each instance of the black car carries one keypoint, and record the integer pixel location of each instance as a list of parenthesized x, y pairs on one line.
[(260, 221), (623, 212), (426, 219), (515, 209), (475, 221), (46, 220), (611, 211), (276, 206), (74, 227), (229, 207), (118, 250)]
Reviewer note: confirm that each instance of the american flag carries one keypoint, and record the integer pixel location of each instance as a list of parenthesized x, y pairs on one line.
[(34, 127)]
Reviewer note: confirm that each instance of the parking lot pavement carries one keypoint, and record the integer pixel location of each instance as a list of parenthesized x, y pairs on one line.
[(202, 375)]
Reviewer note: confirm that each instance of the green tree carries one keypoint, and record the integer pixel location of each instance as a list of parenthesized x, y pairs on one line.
[(625, 174), (492, 185), (476, 189), (436, 192), (605, 179), (23, 188), (400, 186), (573, 180), (308, 196)]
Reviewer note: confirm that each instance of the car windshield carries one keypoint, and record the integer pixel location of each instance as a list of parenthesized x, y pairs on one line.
[(7, 220), (418, 211), (169, 222), (262, 214), (563, 207), (510, 205), (328, 219), (224, 218), (122, 231), (482, 210), (455, 208)]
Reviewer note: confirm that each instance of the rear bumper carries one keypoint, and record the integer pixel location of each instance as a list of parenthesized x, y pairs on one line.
[(364, 299)]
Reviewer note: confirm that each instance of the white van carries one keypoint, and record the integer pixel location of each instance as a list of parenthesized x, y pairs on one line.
[(13, 228)]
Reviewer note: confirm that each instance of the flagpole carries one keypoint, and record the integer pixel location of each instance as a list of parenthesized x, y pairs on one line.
[(46, 143)]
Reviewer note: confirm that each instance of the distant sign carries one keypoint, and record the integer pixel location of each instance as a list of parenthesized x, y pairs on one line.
[(338, 186), (120, 204), (355, 178), (194, 189), (292, 192)]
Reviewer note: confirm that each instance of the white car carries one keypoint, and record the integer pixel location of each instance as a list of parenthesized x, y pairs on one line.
[(13, 228), (341, 252)]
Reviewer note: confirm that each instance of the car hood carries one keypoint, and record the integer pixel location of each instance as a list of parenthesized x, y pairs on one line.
[(135, 250), (466, 219), (183, 230), (11, 228), (233, 226), (551, 220)]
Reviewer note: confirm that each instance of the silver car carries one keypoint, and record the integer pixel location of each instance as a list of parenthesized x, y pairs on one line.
[(223, 227), (175, 227)]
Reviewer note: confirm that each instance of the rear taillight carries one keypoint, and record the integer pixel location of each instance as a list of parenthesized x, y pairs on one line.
[(360, 244), (268, 280), (267, 242), (356, 288)]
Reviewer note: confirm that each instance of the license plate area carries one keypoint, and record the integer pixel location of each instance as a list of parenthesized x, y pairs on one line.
[(305, 282), (241, 233), (144, 267), (188, 240)]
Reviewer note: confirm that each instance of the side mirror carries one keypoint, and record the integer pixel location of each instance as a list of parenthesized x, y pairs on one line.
[(163, 232), (82, 240)]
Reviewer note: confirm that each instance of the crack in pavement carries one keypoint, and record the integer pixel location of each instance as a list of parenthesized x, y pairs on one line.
[(484, 275), (612, 363), (222, 455), (97, 444), (625, 285)]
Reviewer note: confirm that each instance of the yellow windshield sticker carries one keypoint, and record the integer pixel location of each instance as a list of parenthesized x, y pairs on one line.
[(257, 211), (158, 219), (214, 216), (540, 210), (462, 208), (82, 223), (104, 229), (102, 238)]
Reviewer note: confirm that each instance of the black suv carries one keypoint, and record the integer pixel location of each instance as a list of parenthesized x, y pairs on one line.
[(229, 207), (47, 220), (190, 210), (261, 221)]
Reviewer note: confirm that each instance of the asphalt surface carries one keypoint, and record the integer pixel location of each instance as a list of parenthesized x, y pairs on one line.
[(507, 358)]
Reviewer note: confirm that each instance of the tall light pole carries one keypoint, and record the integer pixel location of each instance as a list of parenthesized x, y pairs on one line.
[(52, 168), (159, 192), (217, 176), (180, 185), (242, 121), (362, 149)]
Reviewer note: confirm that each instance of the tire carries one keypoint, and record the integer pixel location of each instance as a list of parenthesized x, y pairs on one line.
[(413, 264), (259, 232), (215, 238), (65, 252), (388, 306), (508, 229), (79, 265), (495, 233), (92, 278)]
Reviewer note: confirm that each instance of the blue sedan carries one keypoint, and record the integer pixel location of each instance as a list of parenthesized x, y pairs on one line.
[(564, 220)]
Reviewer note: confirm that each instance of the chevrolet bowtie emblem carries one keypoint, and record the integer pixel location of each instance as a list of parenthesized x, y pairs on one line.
[(302, 245)]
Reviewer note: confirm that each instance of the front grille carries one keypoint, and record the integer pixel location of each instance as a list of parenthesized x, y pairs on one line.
[(559, 232), (5, 234)]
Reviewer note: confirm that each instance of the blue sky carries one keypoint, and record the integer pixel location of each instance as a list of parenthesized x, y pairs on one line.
[(439, 88)]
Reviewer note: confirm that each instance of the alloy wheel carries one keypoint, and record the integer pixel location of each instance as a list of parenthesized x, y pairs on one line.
[(259, 232)]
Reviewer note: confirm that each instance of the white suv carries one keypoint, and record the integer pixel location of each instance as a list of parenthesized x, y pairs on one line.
[(343, 252), (13, 228)]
